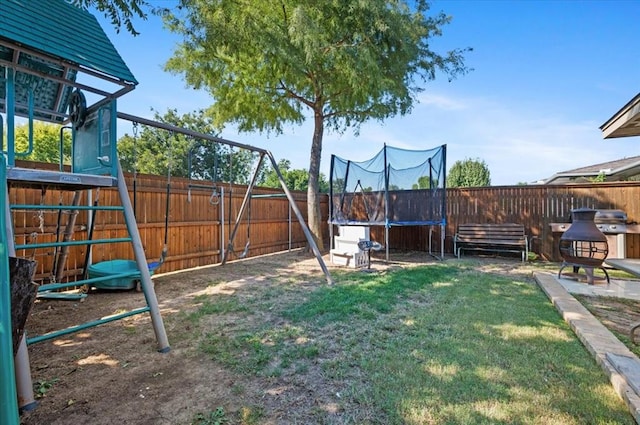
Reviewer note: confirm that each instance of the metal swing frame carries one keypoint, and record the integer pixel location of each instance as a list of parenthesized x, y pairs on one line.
[(263, 153)]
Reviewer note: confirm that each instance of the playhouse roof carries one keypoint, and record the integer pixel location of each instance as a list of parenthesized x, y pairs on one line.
[(63, 31)]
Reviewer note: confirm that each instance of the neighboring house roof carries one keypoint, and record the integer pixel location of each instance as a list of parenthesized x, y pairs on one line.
[(63, 31), (625, 122), (620, 169)]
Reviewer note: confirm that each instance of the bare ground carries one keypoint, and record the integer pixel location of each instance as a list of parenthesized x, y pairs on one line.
[(113, 374)]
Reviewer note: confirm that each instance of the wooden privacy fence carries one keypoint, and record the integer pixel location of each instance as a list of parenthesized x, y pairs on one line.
[(197, 222), (536, 207)]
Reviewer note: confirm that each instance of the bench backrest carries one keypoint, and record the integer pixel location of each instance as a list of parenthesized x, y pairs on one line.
[(506, 231)]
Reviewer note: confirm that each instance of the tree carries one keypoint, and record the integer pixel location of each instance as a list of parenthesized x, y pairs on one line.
[(297, 179), (600, 178), (46, 143), (469, 173), (424, 182), (119, 11), (341, 63), (153, 151)]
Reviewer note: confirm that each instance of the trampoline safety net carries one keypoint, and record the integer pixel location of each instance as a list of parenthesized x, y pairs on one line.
[(397, 187)]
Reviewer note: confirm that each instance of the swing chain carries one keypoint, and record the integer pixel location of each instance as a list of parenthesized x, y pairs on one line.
[(135, 148), (214, 199), (40, 214)]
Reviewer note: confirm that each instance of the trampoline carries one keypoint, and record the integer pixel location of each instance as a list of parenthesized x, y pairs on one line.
[(397, 187)]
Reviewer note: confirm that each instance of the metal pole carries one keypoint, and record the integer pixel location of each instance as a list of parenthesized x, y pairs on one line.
[(23, 381), (141, 261), (222, 250), (8, 394), (305, 229), (245, 202), (187, 132), (208, 137), (444, 199), (386, 241), (442, 229), (10, 113), (387, 169), (331, 212), (290, 232)]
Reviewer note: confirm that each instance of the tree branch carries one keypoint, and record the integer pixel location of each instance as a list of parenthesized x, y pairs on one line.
[(293, 95)]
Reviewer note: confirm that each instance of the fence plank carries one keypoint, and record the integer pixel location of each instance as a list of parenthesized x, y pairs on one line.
[(195, 226)]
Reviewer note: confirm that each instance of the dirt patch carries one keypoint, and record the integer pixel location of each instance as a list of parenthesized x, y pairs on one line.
[(618, 315), (113, 373)]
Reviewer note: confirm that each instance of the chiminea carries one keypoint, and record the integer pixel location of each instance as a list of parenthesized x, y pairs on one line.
[(583, 244)]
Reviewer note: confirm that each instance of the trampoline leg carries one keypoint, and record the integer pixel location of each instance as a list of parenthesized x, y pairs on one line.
[(442, 230), (386, 242)]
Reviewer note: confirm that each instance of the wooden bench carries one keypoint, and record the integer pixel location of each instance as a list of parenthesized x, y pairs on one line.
[(507, 237)]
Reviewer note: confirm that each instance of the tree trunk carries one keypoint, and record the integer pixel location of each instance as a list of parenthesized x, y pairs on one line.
[(313, 195)]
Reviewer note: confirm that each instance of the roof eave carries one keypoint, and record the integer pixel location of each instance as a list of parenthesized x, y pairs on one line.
[(619, 172), (568, 176), (625, 122)]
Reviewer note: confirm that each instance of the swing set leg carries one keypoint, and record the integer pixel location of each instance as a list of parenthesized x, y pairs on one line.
[(141, 261)]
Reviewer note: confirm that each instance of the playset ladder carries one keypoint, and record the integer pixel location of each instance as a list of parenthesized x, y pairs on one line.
[(19, 177)]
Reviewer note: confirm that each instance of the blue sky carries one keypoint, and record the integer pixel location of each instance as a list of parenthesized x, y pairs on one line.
[(546, 75)]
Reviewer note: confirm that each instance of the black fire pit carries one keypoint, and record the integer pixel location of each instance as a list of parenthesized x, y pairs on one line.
[(584, 245)]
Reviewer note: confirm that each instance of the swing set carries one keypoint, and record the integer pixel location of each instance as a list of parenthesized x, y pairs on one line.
[(154, 265), (217, 196), (118, 266)]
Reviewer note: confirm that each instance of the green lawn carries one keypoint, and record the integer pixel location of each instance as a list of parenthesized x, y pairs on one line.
[(437, 344)]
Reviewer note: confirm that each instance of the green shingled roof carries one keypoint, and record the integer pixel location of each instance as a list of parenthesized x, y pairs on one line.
[(64, 31)]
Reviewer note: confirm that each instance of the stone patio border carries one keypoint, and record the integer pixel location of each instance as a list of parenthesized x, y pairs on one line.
[(598, 340)]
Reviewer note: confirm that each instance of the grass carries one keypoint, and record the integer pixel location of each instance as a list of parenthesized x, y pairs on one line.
[(43, 386), (216, 417), (435, 344)]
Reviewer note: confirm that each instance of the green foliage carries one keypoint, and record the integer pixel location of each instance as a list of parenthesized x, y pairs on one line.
[(469, 173), (340, 62), (297, 179), (424, 182), (264, 64), (217, 417), (154, 151), (600, 178), (46, 143), (41, 387), (121, 12)]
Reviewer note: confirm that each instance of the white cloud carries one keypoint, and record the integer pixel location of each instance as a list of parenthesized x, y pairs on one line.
[(518, 143), (446, 103)]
